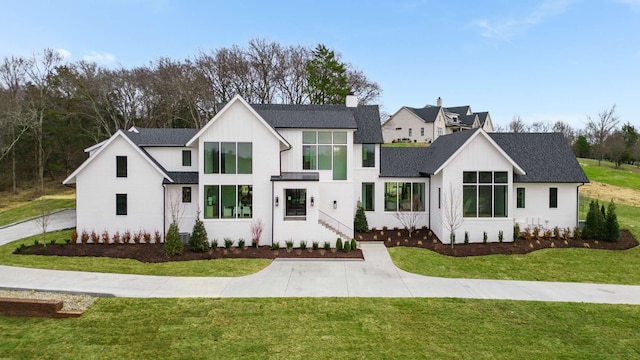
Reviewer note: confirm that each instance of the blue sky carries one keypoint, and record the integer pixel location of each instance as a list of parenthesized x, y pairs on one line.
[(544, 60)]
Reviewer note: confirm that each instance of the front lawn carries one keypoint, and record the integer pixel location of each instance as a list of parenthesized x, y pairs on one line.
[(328, 328), (219, 267), (36, 208)]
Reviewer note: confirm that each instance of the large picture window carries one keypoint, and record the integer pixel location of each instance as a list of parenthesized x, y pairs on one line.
[(325, 150), (228, 158), (228, 201), (404, 196), (368, 196), (484, 193)]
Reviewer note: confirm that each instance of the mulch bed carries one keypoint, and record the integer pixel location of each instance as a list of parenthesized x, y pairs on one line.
[(423, 238), (152, 253)]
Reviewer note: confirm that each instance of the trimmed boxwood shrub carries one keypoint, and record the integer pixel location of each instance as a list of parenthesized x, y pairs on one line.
[(339, 244)]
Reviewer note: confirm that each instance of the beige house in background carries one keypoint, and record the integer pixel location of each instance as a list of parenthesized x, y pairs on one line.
[(428, 123)]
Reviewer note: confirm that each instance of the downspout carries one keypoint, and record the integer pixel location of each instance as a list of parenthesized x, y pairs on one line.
[(429, 220), (164, 210)]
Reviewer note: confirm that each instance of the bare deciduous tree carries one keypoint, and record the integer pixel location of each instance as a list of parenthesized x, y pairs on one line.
[(175, 207), (517, 125), (44, 220), (566, 130), (616, 149), (540, 127), (451, 210), (409, 219), (599, 129)]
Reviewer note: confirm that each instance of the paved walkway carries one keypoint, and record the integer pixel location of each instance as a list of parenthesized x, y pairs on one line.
[(375, 277)]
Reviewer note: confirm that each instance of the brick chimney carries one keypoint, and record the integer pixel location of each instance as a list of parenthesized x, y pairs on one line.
[(352, 100), (439, 101)]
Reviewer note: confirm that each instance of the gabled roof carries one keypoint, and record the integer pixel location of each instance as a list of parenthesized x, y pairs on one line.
[(428, 113), (227, 106), (71, 178), (482, 117), (546, 157), (306, 116), (402, 161), (368, 122), (467, 119), (160, 137), (460, 110)]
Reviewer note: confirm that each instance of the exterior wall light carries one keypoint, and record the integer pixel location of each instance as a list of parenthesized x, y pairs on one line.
[(335, 204), (277, 201), (312, 201)]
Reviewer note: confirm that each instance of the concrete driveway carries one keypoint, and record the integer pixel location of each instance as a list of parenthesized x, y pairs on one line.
[(59, 220)]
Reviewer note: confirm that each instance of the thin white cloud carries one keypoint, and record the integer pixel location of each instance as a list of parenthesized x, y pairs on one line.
[(64, 53), (103, 58), (505, 29)]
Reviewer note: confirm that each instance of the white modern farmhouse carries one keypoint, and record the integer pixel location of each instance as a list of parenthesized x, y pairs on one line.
[(301, 170)]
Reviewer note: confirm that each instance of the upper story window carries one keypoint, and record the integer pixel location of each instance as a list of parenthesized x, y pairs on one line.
[(368, 155), (421, 131), (186, 157), (410, 131), (484, 193), (228, 157), (325, 150), (121, 166), (439, 131)]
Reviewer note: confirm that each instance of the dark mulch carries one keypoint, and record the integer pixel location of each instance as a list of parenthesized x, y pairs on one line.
[(424, 238), (152, 253)]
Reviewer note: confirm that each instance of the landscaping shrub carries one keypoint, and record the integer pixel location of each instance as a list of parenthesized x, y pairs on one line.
[(137, 237), (157, 237), (241, 243), (500, 236), (339, 244), (360, 220), (303, 245), (611, 229), (199, 241), (354, 244), (74, 236), (556, 233), (116, 237), (84, 237), (347, 246), (172, 242), (256, 232), (147, 237), (594, 224), (314, 245), (94, 237), (126, 237), (484, 237), (466, 237), (327, 245), (228, 243), (275, 245), (214, 244), (289, 244), (516, 232), (577, 233)]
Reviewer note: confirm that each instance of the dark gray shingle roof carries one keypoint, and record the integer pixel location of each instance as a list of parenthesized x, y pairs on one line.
[(182, 177), (460, 110), (442, 149), (306, 116), (467, 119), (402, 161), (368, 121), (482, 116), (545, 157), (160, 136), (427, 114)]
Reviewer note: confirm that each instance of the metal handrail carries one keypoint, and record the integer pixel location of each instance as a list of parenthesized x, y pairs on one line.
[(336, 224)]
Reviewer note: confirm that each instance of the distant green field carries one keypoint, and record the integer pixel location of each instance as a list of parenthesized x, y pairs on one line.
[(627, 176), (35, 208), (418, 144)]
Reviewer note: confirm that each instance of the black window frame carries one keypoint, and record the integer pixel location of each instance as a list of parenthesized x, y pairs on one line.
[(186, 194), (553, 198), (121, 204), (370, 150), (520, 198), (121, 166), (296, 207), (186, 157)]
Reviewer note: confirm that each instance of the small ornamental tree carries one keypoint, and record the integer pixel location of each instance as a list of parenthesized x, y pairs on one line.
[(611, 229), (360, 220), (172, 243), (198, 241)]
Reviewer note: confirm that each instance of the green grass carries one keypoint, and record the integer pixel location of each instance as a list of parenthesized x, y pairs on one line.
[(218, 267), (35, 208), (574, 265), (318, 328), (627, 176)]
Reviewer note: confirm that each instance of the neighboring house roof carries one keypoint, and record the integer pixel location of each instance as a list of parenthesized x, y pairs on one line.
[(71, 178), (467, 120), (427, 114), (546, 157), (182, 177), (160, 136), (290, 116), (368, 122), (482, 117), (402, 161), (460, 110)]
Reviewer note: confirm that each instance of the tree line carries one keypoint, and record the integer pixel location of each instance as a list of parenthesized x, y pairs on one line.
[(51, 109), (602, 138)]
